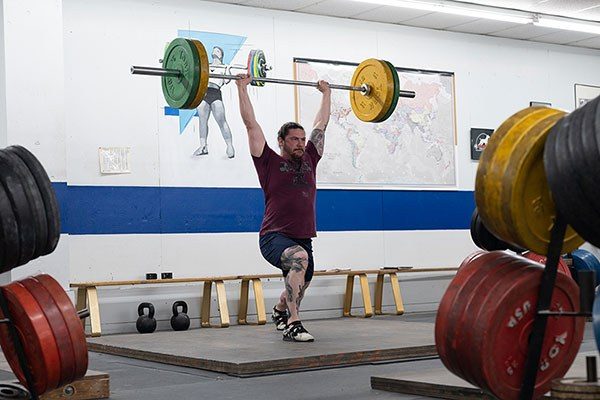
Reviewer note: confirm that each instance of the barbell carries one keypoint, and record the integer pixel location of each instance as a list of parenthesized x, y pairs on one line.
[(374, 88)]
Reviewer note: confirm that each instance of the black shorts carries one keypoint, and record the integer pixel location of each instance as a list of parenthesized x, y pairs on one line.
[(212, 95), (273, 244)]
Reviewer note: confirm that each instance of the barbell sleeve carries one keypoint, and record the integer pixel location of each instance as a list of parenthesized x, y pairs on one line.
[(408, 94), (137, 70)]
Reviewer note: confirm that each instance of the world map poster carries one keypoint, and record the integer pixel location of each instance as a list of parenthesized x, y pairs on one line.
[(414, 146)]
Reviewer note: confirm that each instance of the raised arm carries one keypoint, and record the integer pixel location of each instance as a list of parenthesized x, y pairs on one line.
[(322, 119), (256, 138)]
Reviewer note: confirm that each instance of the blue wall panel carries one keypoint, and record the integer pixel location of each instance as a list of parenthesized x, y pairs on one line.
[(136, 210)]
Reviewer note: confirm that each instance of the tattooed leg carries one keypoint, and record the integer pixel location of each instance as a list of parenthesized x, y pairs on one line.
[(282, 305), (301, 295), (294, 260)]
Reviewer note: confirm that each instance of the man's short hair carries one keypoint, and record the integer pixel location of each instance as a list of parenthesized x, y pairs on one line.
[(285, 129)]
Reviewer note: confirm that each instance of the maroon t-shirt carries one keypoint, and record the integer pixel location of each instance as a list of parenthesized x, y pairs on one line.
[(290, 188)]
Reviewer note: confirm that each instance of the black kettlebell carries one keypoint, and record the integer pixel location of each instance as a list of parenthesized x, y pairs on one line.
[(180, 321), (145, 322)]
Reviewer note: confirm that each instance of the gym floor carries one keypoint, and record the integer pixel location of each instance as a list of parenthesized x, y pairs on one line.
[(136, 379)]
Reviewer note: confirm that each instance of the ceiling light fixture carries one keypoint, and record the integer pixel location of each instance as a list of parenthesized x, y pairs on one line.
[(447, 8), (567, 25)]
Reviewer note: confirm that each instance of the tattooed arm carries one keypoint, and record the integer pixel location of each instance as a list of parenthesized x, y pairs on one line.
[(322, 119)]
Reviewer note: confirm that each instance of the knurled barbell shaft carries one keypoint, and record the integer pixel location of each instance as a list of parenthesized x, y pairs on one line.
[(137, 70), (291, 82)]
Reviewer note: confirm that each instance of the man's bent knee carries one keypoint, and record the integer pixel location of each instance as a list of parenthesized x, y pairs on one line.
[(294, 259)]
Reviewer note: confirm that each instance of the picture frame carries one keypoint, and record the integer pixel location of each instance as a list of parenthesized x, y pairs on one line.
[(585, 93)]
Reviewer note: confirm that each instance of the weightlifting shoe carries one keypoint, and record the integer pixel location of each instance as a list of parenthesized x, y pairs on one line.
[(295, 332), (280, 318), (200, 151)]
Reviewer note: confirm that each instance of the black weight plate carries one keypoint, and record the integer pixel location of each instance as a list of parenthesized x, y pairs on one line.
[(35, 202), (552, 168), (48, 196), (483, 241), (587, 147), (9, 234), (584, 160), (580, 210), (487, 238), (11, 181), (474, 235)]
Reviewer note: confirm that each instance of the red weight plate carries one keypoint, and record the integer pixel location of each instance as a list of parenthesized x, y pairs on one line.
[(478, 268), (562, 265), (37, 338), (72, 321), (508, 321), (466, 304), (467, 347), (58, 326), (447, 301)]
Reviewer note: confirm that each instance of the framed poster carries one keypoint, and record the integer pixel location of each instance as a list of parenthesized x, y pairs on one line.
[(479, 141), (585, 93)]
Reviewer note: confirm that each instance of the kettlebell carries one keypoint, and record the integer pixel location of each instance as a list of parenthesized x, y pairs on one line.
[(146, 322), (180, 321)]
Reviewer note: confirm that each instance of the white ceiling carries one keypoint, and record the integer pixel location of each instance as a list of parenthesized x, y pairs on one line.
[(580, 9)]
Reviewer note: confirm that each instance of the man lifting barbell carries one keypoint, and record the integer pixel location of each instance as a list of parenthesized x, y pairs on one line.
[(288, 180)]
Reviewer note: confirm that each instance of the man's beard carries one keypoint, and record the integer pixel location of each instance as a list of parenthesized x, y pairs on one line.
[(297, 154)]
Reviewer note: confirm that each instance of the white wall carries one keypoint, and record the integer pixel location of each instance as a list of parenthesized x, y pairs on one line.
[(35, 88), (495, 77), (32, 100), (2, 81), (88, 99)]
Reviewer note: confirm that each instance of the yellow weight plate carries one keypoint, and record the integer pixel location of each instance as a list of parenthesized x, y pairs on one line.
[(378, 76), (204, 71), (511, 186), (491, 169), (527, 198)]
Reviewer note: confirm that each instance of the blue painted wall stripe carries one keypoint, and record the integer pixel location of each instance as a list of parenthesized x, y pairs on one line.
[(88, 210)]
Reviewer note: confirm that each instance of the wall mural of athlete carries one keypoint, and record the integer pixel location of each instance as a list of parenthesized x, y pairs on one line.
[(213, 105)]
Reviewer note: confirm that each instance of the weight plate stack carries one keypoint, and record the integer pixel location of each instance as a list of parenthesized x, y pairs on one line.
[(485, 318), (257, 66), (47, 193), (511, 190), (571, 169), (50, 331), (181, 55), (562, 265)]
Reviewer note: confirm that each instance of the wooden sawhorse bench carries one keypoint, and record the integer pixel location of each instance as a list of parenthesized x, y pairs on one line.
[(87, 295)]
